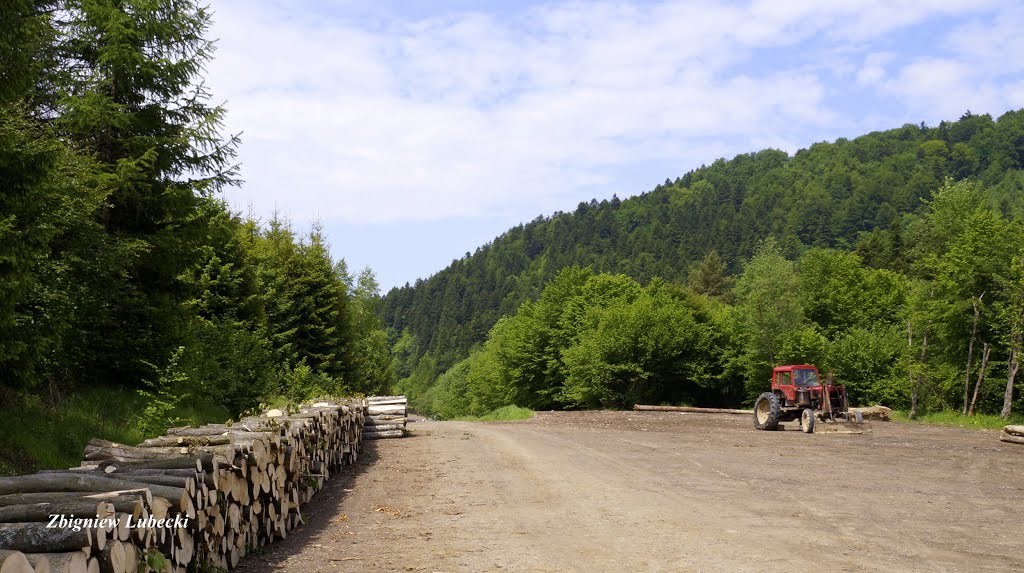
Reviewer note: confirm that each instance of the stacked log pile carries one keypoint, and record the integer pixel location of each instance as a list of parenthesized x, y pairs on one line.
[(196, 497), (1012, 434), (386, 417)]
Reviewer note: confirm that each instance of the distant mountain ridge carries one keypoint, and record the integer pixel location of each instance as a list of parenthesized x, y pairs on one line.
[(849, 194)]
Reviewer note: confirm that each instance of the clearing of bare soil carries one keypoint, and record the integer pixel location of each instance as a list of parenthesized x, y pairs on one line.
[(665, 491)]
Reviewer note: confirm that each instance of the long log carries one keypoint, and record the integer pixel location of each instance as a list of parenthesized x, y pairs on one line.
[(185, 441), (35, 537), (390, 402), (1011, 438), (42, 511), (94, 453), (879, 413), (382, 435), (78, 482), (383, 427), (114, 497), (1015, 430), (647, 408), (384, 419)]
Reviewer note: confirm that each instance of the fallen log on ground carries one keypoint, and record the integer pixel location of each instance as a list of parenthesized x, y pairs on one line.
[(879, 413), (690, 409), (1014, 430), (1011, 438)]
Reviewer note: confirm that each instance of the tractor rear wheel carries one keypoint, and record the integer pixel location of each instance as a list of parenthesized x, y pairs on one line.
[(807, 421), (767, 411)]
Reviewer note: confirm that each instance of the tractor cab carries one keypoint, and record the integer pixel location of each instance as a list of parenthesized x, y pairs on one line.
[(797, 385)]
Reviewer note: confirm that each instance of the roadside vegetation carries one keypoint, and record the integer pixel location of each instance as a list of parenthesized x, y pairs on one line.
[(952, 418), (131, 296), (503, 414)]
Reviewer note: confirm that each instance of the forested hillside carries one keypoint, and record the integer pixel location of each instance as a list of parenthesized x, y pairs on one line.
[(120, 267), (852, 212)]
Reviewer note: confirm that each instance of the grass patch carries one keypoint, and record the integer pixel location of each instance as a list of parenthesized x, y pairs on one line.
[(503, 414), (952, 418), (40, 435)]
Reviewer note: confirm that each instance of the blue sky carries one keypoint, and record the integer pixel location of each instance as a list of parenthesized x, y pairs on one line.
[(418, 131)]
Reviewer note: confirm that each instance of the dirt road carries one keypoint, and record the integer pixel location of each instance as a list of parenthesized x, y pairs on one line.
[(655, 491)]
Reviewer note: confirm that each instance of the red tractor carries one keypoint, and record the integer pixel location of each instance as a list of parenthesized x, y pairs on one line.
[(798, 393)]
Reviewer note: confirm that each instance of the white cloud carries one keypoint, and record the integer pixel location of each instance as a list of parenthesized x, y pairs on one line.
[(467, 114), (873, 71)]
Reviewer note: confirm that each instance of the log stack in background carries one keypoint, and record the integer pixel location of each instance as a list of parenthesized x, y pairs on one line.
[(1012, 434), (241, 486), (386, 417)]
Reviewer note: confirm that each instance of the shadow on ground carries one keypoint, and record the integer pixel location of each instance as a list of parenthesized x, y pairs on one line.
[(317, 515)]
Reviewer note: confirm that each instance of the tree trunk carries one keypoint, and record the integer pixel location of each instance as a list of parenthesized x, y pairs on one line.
[(970, 349), (1014, 365), (981, 377)]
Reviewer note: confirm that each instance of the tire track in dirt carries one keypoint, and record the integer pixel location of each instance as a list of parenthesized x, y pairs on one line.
[(607, 491)]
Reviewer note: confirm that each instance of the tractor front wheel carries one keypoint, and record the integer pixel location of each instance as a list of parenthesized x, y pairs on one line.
[(767, 411), (807, 421)]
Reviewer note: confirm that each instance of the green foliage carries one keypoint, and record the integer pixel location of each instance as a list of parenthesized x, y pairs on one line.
[(119, 268), (503, 414), (54, 426), (874, 276), (871, 362), (866, 193), (592, 340), (768, 310), (954, 418), (163, 397), (303, 383)]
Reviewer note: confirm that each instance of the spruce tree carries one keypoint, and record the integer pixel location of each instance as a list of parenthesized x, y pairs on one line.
[(132, 95)]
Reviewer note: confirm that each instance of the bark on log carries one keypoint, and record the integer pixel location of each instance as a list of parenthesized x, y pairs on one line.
[(38, 538), (94, 453), (185, 441), (79, 482), (384, 419), (129, 501), (647, 408)]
